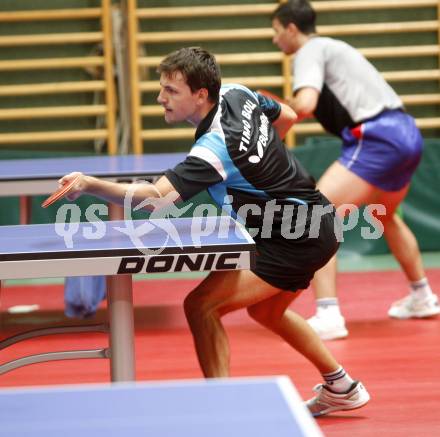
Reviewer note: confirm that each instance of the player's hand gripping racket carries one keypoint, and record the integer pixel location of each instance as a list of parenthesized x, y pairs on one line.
[(61, 192)]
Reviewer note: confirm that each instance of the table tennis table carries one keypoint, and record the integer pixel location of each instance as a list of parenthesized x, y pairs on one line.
[(31, 177), (118, 250), (234, 407)]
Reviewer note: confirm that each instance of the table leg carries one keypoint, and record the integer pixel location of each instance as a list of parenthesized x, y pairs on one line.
[(121, 321), (25, 209), (120, 308)]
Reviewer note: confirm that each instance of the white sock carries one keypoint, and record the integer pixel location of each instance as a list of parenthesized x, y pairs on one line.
[(420, 289), (338, 381), (328, 306)]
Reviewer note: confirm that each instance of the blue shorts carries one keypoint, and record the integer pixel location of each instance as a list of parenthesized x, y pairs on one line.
[(384, 150)]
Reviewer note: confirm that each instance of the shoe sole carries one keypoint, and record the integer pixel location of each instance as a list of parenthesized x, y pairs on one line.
[(423, 315), (334, 336), (334, 409)]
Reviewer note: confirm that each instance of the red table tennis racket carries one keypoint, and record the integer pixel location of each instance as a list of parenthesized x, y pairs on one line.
[(61, 192)]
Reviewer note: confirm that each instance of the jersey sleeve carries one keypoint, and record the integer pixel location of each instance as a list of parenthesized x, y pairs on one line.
[(271, 108), (309, 67), (193, 176)]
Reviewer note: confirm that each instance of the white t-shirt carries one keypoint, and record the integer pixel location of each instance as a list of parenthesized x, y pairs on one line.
[(351, 89)]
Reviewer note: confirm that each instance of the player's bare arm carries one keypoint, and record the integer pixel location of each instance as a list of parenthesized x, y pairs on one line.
[(115, 192), (304, 102), (285, 121)]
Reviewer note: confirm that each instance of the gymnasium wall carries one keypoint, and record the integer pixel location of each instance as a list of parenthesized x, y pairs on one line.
[(19, 77), (427, 12)]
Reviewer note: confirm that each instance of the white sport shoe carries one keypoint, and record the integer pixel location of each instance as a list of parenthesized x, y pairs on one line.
[(328, 326), (411, 307), (327, 401)]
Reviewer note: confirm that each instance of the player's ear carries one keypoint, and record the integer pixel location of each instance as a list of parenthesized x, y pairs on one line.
[(203, 95), (292, 29)]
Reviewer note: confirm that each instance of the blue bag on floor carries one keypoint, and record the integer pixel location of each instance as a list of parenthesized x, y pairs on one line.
[(83, 294)]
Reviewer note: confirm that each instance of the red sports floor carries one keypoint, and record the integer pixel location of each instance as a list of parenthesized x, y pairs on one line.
[(398, 361)]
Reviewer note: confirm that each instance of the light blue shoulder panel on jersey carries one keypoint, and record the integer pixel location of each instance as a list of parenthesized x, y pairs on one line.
[(231, 86), (214, 142)]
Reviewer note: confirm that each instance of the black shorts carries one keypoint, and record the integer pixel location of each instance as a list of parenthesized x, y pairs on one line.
[(290, 264)]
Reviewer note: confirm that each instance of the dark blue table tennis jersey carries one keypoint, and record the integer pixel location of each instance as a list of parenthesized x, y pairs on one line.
[(240, 159), (237, 152)]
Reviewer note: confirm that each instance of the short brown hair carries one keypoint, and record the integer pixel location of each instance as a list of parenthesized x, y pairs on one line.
[(298, 12), (199, 68)]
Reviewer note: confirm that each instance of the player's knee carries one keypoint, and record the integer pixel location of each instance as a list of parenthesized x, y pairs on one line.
[(388, 222), (190, 307), (196, 308)]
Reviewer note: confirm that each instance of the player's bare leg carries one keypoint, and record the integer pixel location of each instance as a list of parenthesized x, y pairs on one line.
[(421, 301), (273, 313), (333, 184), (400, 239), (339, 391), (218, 294), (328, 321), (325, 280), (223, 292)]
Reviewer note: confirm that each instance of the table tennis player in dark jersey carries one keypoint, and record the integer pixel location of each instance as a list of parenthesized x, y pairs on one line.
[(239, 158)]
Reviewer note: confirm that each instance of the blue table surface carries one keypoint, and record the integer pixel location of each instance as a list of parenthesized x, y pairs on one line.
[(200, 409), (173, 234), (118, 166)]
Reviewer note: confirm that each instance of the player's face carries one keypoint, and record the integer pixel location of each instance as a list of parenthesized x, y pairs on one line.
[(179, 102), (284, 37)]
